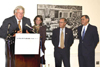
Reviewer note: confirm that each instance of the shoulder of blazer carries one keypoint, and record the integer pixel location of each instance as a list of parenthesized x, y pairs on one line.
[(43, 27), (92, 26), (25, 18), (68, 29), (10, 18), (80, 28), (56, 29)]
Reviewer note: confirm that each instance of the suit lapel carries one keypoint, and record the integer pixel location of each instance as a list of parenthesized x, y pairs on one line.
[(66, 33), (80, 32), (58, 35)]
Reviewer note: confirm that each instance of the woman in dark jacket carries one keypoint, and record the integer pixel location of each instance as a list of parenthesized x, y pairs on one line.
[(39, 28)]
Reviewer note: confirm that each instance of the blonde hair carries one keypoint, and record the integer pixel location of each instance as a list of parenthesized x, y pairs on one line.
[(19, 7)]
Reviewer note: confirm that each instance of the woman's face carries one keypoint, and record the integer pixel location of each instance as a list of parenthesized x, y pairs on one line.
[(38, 21)]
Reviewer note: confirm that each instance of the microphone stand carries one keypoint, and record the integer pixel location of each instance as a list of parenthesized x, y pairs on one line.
[(8, 44)]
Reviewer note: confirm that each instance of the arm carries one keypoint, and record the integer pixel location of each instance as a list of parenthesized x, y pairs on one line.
[(71, 39), (3, 29), (96, 37), (53, 37), (43, 35), (78, 32)]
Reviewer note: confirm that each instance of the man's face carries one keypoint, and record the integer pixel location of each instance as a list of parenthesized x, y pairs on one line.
[(62, 23), (84, 21), (19, 14)]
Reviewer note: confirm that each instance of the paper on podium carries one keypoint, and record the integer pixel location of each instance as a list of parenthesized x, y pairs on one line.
[(27, 43)]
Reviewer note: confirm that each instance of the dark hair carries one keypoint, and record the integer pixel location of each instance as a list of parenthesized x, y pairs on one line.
[(86, 16), (65, 20), (38, 16)]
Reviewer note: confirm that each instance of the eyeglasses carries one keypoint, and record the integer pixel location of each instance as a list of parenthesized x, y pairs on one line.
[(20, 13), (61, 22)]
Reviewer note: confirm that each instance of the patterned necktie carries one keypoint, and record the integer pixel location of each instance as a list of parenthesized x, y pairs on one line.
[(62, 40), (83, 33), (19, 25)]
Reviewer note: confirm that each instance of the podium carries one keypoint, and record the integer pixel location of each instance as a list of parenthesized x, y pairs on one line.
[(26, 50)]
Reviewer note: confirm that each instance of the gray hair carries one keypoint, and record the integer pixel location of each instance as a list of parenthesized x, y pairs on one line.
[(19, 7)]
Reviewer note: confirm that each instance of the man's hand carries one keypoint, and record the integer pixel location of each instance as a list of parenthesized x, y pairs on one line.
[(14, 35), (17, 32), (27, 31)]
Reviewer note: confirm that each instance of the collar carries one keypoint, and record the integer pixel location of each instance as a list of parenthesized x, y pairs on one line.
[(63, 28), (86, 25)]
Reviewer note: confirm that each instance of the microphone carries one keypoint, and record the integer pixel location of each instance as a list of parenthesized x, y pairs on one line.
[(30, 27), (8, 25), (8, 35), (8, 28)]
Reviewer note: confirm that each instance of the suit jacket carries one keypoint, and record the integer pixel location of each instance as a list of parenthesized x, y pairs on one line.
[(13, 26), (68, 39), (88, 44)]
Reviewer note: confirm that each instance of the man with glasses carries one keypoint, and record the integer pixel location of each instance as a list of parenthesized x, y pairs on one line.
[(88, 40), (62, 39), (17, 21)]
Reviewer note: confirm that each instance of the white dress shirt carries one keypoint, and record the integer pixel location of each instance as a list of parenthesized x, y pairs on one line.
[(18, 22), (60, 35), (85, 29)]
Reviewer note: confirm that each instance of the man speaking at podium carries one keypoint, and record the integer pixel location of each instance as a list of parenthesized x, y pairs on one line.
[(9, 26)]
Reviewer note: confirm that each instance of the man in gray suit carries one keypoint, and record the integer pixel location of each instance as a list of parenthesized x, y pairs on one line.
[(17, 21)]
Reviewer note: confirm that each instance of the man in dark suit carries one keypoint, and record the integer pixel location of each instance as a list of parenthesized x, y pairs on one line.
[(88, 40), (17, 21), (62, 39)]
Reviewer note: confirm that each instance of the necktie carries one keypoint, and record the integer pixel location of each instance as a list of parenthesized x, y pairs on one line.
[(62, 40), (83, 33), (19, 25)]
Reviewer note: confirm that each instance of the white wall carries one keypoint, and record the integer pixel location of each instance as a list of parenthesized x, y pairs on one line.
[(90, 7)]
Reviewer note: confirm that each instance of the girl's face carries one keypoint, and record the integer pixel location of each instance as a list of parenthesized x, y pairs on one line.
[(38, 21)]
